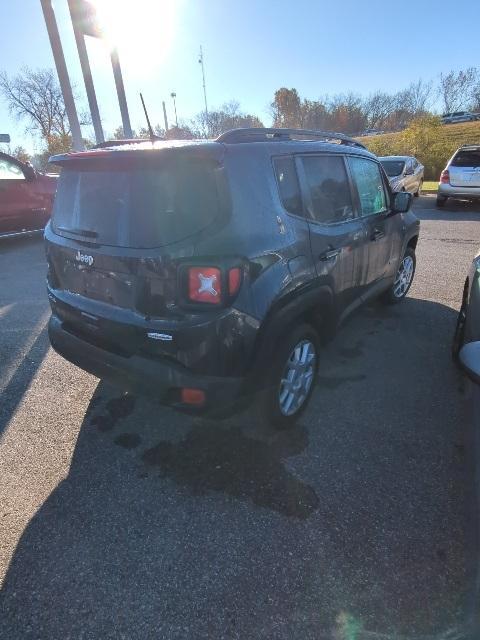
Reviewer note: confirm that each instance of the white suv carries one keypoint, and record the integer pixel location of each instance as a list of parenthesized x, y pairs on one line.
[(461, 176)]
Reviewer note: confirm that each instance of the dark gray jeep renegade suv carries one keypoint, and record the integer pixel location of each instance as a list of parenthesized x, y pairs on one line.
[(207, 272)]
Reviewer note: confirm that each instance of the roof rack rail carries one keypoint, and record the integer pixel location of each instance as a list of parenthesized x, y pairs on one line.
[(265, 135)]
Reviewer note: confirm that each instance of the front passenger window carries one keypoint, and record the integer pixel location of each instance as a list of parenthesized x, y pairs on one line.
[(371, 192)]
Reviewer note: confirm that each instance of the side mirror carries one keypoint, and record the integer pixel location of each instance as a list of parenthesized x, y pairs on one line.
[(408, 172), (29, 172), (402, 201), (469, 358)]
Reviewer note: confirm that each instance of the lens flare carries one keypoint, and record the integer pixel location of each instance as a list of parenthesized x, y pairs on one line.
[(143, 31)]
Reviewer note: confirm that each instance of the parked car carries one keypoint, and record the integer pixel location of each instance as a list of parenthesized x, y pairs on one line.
[(461, 177), (206, 273), (459, 116), (372, 132), (26, 197), (467, 328), (405, 173)]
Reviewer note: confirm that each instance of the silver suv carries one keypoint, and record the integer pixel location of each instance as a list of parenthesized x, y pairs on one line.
[(461, 176), (459, 116)]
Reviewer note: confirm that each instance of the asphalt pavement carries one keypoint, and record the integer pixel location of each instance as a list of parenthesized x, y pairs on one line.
[(123, 519)]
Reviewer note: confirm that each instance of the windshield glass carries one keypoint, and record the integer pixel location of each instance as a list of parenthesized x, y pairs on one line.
[(139, 208), (393, 167)]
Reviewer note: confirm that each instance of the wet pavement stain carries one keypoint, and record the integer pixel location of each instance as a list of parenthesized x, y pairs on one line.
[(115, 409), (128, 440), (352, 352), (211, 459), (333, 382)]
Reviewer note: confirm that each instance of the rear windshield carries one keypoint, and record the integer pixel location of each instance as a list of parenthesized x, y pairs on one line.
[(393, 167), (467, 159), (143, 207)]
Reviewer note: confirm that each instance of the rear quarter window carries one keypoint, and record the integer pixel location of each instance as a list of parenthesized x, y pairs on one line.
[(467, 159)]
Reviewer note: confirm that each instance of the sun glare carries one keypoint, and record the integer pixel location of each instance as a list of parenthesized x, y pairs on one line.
[(142, 30)]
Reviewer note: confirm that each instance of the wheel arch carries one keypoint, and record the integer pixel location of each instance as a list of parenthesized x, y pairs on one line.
[(315, 307), (412, 243)]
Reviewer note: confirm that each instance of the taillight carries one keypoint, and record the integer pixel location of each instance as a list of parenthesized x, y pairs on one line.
[(445, 177), (234, 280), (205, 285), (213, 285), (192, 396)]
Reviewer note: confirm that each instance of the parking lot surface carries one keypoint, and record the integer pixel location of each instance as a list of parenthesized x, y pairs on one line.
[(122, 519)]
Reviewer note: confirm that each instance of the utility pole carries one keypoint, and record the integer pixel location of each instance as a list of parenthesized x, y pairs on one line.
[(165, 116), (174, 95), (200, 62), (62, 73)]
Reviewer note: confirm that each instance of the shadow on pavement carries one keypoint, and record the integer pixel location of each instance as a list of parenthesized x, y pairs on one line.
[(354, 523), (23, 315), (454, 210)]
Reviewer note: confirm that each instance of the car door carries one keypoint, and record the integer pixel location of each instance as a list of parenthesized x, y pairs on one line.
[(384, 232), (16, 203), (337, 236)]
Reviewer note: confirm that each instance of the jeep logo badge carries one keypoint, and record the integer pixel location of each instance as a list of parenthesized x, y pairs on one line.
[(83, 257)]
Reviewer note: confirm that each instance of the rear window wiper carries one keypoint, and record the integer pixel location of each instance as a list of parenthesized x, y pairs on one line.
[(85, 233)]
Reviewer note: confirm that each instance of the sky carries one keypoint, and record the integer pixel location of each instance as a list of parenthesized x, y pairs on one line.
[(251, 48)]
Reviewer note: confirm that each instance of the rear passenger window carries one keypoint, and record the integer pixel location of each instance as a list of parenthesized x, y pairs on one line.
[(288, 185), (329, 188), (371, 191)]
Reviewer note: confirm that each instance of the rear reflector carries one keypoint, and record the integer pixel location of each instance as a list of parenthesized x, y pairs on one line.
[(192, 396), (205, 285), (234, 280)]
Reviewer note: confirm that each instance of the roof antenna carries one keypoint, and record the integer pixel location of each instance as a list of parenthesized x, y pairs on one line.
[(153, 137)]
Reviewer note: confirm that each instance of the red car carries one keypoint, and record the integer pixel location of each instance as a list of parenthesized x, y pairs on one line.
[(26, 197)]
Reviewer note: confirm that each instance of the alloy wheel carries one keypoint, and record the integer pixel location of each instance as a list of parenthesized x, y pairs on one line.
[(297, 378), (404, 277)]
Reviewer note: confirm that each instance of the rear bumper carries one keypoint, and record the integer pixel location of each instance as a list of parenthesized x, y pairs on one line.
[(450, 191), (142, 375)]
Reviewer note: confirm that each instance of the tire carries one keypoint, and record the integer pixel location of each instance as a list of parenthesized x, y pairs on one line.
[(418, 191), (441, 200), (301, 344), (403, 278), (459, 335)]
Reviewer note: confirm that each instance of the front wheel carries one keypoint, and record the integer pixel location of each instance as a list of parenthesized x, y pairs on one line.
[(419, 190), (291, 378), (403, 279)]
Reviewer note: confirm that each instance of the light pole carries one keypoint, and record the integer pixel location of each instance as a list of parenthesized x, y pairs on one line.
[(200, 62), (174, 95), (62, 72)]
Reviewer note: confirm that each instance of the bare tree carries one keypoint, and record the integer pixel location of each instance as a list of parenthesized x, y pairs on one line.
[(456, 88), (416, 98), (229, 116), (378, 107), (35, 96)]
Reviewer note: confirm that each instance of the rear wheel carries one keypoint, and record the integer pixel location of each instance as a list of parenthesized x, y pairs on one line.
[(291, 378), (419, 190), (403, 278), (441, 200)]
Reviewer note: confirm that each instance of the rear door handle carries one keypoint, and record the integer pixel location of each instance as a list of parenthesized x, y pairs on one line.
[(329, 255), (377, 234)]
